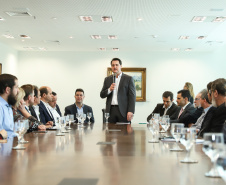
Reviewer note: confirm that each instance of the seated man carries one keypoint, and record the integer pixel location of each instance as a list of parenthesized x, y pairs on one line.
[(168, 107), (8, 96), (29, 96), (183, 115), (208, 110), (218, 93), (45, 113), (34, 109), (54, 108), (198, 110), (79, 107)]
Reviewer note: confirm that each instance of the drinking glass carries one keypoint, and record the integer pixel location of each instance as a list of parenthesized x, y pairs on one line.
[(221, 164), (19, 129), (78, 116), (71, 119), (165, 123), (188, 139), (165, 116), (63, 124), (176, 133), (89, 115), (67, 121), (59, 126), (83, 118), (26, 127), (156, 116), (107, 115), (213, 143), (153, 127)]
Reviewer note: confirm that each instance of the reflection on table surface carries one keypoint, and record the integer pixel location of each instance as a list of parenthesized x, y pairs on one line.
[(76, 158)]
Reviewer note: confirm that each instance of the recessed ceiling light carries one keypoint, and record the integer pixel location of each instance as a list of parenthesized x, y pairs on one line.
[(219, 19), (183, 37), (139, 19), (71, 37), (198, 19), (115, 49), (95, 36), (19, 14), (106, 19), (86, 18), (175, 49), (102, 49), (154, 36), (8, 36), (188, 49), (22, 40), (201, 37), (25, 36), (54, 18), (112, 37), (1, 19)]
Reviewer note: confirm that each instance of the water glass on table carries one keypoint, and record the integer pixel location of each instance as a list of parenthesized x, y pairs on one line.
[(176, 129), (212, 145)]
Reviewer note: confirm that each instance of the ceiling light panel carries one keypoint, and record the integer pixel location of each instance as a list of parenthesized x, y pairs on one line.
[(112, 37), (95, 36), (8, 36), (106, 19), (19, 14), (102, 49), (86, 18), (201, 37), (175, 49), (183, 37), (219, 19), (198, 19), (115, 49), (25, 36)]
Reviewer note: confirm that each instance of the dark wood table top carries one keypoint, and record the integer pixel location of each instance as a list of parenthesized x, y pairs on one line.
[(76, 158)]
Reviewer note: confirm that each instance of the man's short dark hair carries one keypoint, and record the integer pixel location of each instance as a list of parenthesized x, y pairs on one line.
[(204, 95), (35, 91), (220, 86), (185, 94), (6, 80), (167, 94), (43, 90), (54, 93), (28, 89), (79, 90), (120, 62), (209, 87)]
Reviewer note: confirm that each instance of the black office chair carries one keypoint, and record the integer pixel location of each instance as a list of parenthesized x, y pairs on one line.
[(103, 112)]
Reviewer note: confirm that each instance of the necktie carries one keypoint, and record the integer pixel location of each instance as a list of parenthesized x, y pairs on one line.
[(199, 121), (180, 112)]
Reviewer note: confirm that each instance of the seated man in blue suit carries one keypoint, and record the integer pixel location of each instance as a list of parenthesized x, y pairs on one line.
[(79, 107), (45, 113)]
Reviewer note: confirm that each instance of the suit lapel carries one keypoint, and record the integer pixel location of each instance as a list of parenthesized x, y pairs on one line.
[(121, 82)]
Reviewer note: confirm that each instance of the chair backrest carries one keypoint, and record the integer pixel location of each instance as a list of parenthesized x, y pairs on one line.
[(103, 112)]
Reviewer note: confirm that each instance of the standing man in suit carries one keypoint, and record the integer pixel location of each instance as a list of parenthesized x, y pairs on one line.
[(54, 108), (187, 109), (119, 89), (45, 113), (79, 107), (168, 107)]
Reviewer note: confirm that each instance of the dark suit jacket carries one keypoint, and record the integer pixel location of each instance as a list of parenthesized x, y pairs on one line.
[(195, 116), (126, 94), (159, 109), (218, 119), (44, 114), (58, 110), (72, 109), (33, 112), (184, 117), (206, 122)]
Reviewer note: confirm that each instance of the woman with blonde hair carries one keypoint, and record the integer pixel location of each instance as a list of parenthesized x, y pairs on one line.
[(19, 112), (189, 86)]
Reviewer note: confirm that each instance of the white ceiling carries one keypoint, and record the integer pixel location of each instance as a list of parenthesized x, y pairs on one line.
[(167, 19)]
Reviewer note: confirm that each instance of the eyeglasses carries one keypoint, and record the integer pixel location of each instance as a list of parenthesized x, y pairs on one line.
[(197, 99)]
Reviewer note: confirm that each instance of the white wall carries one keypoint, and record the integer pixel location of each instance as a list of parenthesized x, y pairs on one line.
[(8, 59), (66, 71)]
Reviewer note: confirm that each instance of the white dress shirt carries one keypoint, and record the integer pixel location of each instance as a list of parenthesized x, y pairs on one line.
[(36, 108), (115, 91), (54, 113), (47, 107)]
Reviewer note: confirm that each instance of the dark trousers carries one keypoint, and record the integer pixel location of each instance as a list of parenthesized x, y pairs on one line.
[(115, 115)]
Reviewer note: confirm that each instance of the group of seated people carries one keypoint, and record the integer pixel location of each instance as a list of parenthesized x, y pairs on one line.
[(38, 105), (208, 114)]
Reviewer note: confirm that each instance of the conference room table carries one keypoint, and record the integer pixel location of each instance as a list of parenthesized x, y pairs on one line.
[(100, 155)]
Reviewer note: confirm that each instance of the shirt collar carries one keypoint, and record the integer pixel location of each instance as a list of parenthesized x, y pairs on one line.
[(78, 107), (3, 102), (168, 107), (206, 109), (185, 105)]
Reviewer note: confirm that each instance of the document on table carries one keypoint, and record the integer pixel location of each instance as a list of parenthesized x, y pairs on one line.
[(121, 123)]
